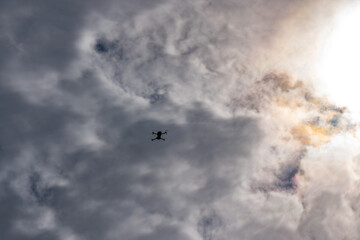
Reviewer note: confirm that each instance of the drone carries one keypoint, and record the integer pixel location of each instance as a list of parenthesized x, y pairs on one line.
[(158, 135)]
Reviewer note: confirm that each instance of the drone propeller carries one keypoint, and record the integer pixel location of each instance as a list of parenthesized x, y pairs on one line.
[(155, 132)]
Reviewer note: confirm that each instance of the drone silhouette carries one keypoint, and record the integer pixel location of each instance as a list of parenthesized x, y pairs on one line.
[(158, 135)]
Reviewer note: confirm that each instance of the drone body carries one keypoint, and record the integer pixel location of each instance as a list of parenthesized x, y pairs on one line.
[(158, 135)]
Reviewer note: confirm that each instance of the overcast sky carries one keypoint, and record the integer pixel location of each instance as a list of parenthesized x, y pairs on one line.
[(252, 151)]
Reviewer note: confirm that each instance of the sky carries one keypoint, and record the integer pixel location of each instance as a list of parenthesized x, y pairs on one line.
[(258, 98)]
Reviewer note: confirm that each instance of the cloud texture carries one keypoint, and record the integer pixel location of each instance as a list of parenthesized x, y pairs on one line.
[(252, 151)]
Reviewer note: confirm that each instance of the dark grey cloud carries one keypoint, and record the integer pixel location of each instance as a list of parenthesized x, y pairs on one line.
[(82, 86), (209, 225)]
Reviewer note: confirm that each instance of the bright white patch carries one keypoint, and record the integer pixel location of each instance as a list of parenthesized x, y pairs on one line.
[(339, 68)]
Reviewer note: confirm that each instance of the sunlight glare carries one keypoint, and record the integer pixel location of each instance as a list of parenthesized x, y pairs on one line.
[(339, 68)]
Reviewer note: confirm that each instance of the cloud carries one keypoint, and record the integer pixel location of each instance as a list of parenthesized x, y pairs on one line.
[(252, 151)]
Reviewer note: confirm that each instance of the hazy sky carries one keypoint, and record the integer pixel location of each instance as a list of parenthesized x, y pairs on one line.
[(253, 150)]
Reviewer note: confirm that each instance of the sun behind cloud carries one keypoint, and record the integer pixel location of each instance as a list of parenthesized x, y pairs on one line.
[(338, 68)]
